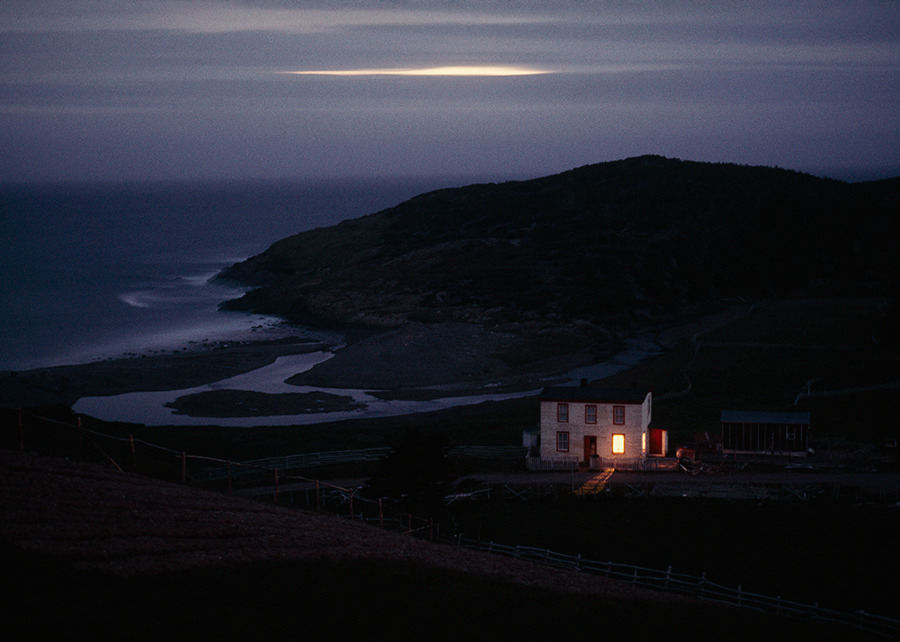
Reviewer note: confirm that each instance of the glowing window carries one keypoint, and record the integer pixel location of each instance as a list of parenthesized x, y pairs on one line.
[(562, 412), (619, 415), (562, 441), (590, 414), (618, 443), (643, 442)]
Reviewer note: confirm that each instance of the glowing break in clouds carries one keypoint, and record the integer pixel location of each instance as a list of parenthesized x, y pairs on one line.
[(461, 70)]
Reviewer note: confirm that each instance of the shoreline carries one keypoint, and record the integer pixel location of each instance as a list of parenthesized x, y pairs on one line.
[(205, 363), (414, 369)]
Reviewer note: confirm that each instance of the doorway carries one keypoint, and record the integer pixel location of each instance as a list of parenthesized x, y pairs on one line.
[(590, 447)]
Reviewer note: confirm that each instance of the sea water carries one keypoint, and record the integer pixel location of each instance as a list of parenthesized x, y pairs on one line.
[(92, 271)]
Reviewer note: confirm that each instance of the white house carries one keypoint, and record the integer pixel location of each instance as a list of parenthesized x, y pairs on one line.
[(595, 426)]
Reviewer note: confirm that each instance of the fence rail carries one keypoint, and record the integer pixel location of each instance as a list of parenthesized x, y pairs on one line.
[(508, 453), (699, 587), (290, 462), (600, 463)]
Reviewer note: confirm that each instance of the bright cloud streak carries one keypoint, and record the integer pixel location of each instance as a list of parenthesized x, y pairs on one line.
[(460, 70)]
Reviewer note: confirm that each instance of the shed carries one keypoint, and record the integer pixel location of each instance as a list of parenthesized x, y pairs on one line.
[(765, 433)]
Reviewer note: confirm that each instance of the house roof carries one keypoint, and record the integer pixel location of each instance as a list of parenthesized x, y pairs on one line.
[(752, 417), (600, 395)]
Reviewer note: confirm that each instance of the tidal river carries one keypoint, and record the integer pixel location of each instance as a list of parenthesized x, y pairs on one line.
[(150, 408)]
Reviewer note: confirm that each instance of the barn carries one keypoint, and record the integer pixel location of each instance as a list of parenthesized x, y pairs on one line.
[(765, 433)]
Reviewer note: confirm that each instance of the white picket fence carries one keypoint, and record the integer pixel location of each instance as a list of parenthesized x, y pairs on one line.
[(699, 587)]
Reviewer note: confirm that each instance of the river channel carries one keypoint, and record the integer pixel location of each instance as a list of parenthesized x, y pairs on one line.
[(150, 408)]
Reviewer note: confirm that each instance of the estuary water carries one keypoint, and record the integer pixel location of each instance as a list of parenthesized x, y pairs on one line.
[(91, 271)]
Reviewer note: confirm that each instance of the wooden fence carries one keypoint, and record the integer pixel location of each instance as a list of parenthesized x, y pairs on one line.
[(535, 464), (290, 462), (699, 587)]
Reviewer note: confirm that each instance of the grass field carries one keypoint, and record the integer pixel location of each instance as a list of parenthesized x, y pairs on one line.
[(765, 360), (838, 555)]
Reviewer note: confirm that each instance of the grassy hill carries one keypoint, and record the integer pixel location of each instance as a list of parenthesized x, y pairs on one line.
[(597, 250)]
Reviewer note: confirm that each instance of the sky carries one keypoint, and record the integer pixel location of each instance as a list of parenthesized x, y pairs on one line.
[(198, 89)]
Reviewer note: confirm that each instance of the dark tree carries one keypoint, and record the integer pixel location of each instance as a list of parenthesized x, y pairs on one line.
[(416, 470)]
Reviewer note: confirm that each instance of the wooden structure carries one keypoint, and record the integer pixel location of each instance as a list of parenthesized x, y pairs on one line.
[(765, 433), (595, 426)]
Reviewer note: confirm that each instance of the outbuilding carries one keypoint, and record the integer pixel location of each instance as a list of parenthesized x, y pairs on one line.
[(765, 433)]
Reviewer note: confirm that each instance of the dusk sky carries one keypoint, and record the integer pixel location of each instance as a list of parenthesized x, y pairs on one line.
[(166, 89)]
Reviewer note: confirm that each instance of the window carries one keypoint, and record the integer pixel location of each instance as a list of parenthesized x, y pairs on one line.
[(590, 414), (562, 413), (618, 444), (562, 441), (619, 415)]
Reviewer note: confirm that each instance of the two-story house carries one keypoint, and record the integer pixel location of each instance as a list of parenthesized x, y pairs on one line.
[(595, 426)]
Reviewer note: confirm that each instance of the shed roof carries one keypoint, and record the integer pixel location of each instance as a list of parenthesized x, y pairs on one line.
[(754, 417), (600, 395)]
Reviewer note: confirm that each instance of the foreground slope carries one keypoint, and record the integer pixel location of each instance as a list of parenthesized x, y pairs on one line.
[(90, 551)]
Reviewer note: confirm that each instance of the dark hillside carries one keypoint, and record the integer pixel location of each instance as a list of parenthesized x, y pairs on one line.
[(608, 246)]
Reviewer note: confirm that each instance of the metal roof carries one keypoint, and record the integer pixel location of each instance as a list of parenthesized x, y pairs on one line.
[(588, 393), (756, 417)]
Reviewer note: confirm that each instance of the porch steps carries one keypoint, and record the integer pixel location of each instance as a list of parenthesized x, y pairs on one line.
[(596, 484)]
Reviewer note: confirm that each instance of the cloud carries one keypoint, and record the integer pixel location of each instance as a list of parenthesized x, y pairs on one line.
[(199, 87), (457, 70)]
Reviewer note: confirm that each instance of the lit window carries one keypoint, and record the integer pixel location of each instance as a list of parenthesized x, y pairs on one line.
[(643, 442), (619, 415), (562, 412), (590, 414), (562, 441), (618, 443)]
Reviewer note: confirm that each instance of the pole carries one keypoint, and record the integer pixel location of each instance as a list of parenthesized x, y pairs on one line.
[(133, 458)]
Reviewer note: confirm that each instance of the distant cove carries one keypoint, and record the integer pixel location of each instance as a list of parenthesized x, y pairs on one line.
[(93, 271)]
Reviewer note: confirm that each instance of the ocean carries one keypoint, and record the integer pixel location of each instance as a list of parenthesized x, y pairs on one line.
[(93, 271)]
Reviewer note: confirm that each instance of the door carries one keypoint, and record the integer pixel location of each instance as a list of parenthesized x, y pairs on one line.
[(590, 448)]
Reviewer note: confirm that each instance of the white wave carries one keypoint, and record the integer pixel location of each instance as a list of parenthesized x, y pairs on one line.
[(136, 299)]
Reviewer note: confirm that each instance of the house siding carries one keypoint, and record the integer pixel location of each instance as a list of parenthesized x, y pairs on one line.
[(635, 428)]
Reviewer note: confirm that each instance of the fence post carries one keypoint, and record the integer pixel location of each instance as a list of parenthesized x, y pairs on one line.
[(133, 458), (351, 504), (276, 485), (183, 467), (318, 498), (380, 514), (228, 472), (668, 576)]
